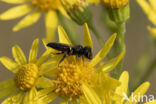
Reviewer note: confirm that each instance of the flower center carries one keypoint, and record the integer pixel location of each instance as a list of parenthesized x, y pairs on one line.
[(46, 4), (26, 76), (71, 75)]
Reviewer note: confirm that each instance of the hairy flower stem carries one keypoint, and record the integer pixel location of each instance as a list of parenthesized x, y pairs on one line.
[(97, 35), (122, 47)]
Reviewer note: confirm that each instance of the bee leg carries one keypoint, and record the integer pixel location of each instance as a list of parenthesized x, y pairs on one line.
[(64, 56)]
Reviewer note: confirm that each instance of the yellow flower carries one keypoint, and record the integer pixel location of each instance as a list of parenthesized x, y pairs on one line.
[(33, 9), (78, 79), (28, 76), (149, 8), (121, 91)]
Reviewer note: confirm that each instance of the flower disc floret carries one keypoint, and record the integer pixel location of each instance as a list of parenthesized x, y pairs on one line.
[(26, 76), (70, 77)]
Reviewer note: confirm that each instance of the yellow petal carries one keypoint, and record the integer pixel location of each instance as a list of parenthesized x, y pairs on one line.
[(104, 51), (108, 82), (9, 64), (33, 51), (18, 55), (51, 72), (145, 6), (105, 86), (43, 82), (87, 41), (93, 1), (153, 102), (36, 101), (124, 79), (15, 12), (153, 2), (64, 101), (49, 66), (30, 96), (14, 1), (63, 11), (6, 83), (45, 42), (152, 16), (138, 93), (6, 87), (152, 31), (83, 100), (151, 13), (38, 97), (90, 95), (44, 56), (111, 64), (15, 98), (51, 24), (27, 21), (63, 38), (50, 97), (45, 91)]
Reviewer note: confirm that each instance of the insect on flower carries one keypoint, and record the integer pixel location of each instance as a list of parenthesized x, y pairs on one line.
[(69, 50)]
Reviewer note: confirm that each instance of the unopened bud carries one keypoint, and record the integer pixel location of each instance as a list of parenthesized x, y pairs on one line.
[(77, 10), (118, 10)]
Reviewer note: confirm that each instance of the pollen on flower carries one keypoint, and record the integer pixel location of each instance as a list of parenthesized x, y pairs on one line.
[(115, 3), (46, 4), (71, 75), (26, 76)]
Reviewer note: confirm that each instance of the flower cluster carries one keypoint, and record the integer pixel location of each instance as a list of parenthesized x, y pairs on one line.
[(66, 69)]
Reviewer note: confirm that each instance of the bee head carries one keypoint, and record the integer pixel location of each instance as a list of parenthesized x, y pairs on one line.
[(88, 52)]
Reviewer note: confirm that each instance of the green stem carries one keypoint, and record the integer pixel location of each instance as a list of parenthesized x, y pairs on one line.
[(121, 47), (121, 38), (97, 35)]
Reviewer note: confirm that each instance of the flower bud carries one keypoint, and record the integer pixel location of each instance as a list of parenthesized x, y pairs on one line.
[(77, 10), (118, 10)]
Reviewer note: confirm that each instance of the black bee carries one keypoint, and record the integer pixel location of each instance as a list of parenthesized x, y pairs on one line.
[(68, 50)]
